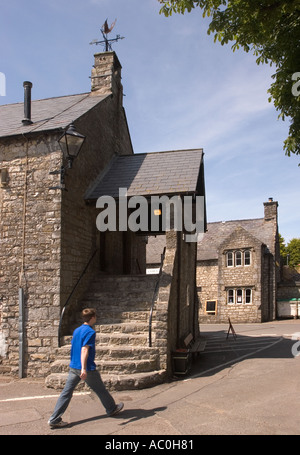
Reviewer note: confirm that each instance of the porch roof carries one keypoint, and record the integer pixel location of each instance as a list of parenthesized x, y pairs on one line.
[(147, 174)]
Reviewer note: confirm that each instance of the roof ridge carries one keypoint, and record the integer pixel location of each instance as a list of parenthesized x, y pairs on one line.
[(45, 99), (62, 96), (235, 221), (165, 151)]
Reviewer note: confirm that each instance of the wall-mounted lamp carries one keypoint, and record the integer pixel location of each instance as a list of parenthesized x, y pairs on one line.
[(70, 143)]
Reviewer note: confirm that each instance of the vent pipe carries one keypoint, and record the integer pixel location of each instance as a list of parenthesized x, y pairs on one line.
[(27, 103)]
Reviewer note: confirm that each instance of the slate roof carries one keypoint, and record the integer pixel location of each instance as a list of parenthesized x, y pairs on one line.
[(46, 114), (146, 174), (216, 233)]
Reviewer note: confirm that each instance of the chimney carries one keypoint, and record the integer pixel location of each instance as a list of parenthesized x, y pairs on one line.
[(27, 103), (270, 209), (106, 75)]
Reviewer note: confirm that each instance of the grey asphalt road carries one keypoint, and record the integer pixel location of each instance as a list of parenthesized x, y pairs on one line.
[(248, 385)]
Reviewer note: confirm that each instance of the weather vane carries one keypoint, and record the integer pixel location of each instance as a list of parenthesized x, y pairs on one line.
[(105, 30)]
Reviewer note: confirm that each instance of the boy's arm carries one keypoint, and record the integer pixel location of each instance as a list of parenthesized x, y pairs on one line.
[(84, 357)]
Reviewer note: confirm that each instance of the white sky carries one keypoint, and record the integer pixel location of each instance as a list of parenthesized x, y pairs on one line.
[(182, 91)]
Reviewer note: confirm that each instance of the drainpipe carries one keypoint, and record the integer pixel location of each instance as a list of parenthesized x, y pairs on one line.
[(21, 290), (21, 333), (179, 238)]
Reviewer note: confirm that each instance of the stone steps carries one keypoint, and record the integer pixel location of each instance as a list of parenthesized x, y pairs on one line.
[(126, 285), (106, 366), (130, 327), (114, 382), (120, 353), (106, 316), (123, 355), (132, 339)]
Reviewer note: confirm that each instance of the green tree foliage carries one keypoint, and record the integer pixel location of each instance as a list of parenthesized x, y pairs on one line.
[(293, 251), (282, 248), (270, 29), (290, 253)]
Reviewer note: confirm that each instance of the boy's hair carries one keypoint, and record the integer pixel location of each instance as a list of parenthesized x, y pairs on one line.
[(88, 313)]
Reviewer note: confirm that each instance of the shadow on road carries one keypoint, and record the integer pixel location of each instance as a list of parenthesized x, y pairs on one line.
[(131, 415), (222, 351)]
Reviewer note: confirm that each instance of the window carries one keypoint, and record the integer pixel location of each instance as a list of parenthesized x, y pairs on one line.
[(238, 258), (230, 296), (247, 257), (239, 296), (229, 259), (3, 177), (248, 296)]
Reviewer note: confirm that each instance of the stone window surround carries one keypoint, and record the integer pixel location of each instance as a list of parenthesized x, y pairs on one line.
[(237, 292), (238, 258)]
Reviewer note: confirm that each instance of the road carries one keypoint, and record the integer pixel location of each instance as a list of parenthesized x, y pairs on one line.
[(248, 385)]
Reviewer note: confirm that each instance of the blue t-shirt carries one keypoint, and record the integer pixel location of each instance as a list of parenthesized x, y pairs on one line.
[(83, 336)]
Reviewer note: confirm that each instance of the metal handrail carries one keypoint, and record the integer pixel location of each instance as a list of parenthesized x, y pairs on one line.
[(154, 297), (70, 296)]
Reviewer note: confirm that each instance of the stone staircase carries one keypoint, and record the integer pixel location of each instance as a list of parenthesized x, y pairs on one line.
[(123, 355)]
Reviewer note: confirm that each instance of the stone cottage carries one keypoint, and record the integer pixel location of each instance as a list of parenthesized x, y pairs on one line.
[(53, 259), (238, 268)]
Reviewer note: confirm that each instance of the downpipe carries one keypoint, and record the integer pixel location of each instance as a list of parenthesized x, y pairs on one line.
[(21, 333)]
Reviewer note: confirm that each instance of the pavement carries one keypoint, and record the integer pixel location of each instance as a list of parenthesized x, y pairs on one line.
[(243, 385)]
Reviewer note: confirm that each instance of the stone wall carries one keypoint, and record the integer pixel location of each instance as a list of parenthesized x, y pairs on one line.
[(207, 287), (176, 307), (30, 251), (215, 278)]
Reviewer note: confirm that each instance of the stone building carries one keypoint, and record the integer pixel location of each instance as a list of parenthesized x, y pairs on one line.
[(238, 269), (53, 259)]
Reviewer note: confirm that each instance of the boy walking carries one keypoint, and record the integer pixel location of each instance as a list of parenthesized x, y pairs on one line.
[(83, 367)]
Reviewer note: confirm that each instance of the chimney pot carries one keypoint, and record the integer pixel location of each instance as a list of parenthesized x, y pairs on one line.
[(27, 103)]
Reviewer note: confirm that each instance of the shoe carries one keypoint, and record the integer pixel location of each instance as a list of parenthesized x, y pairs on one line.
[(117, 409), (60, 424)]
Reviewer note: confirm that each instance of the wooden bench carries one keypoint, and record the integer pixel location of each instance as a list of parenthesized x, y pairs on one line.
[(194, 346)]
